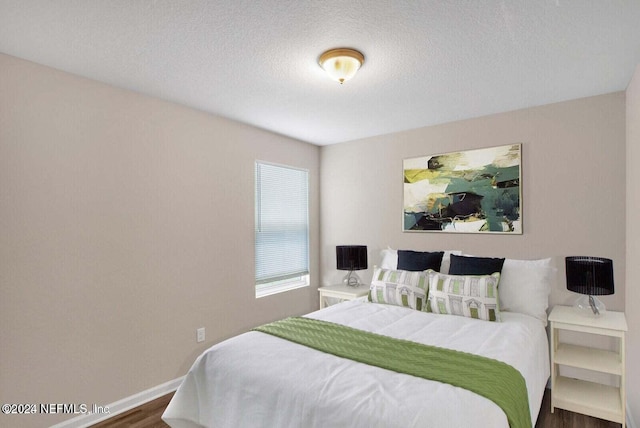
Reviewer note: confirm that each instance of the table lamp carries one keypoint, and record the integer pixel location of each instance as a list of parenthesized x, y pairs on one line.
[(351, 257), (589, 276)]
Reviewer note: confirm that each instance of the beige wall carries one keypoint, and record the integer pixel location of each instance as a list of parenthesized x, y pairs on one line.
[(633, 246), (126, 223), (573, 188)]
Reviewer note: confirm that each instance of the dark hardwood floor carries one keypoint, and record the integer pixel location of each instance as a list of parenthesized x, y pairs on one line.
[(148, 416)]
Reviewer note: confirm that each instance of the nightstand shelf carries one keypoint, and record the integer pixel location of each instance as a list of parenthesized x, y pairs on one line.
[(589, 398), (588, 358), (341, 292)]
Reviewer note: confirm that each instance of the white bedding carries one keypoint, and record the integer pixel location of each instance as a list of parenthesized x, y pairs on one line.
[(257, 380)]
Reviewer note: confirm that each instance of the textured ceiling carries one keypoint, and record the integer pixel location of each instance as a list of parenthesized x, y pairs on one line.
[(255, 61)]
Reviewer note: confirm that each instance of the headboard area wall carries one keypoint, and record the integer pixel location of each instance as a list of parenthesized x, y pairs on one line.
[(573, 189)]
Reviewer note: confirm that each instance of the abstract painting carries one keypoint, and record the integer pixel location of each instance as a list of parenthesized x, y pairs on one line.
[(472, 191)]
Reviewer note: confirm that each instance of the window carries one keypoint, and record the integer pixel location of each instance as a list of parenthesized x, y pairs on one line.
[(281, 228)]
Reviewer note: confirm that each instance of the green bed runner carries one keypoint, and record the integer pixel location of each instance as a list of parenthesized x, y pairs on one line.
[(495, 380)]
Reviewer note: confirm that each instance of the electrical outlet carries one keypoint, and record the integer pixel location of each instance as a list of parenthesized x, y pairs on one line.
[(200, 335)]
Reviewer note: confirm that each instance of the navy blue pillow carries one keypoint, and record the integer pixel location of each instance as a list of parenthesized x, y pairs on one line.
[(465, 265), (418, 261)]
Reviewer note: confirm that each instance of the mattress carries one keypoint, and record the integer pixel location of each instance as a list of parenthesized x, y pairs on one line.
[(258, 380)]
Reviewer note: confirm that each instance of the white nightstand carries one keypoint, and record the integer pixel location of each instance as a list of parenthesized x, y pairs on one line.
[(342, 292), (589, 398)]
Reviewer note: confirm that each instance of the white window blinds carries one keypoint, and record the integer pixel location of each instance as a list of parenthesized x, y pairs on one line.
[(281, 223)]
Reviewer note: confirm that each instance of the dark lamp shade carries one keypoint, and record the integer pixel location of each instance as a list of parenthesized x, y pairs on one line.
[(589, 275), (351, 257)]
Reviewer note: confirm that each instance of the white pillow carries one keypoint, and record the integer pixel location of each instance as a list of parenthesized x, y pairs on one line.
[(525, 286), (390, 259)]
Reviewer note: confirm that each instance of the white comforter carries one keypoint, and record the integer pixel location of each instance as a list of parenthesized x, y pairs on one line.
[(257, 380)]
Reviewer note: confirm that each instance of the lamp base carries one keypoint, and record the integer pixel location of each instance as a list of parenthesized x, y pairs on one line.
[(351, 279), (590, 306)]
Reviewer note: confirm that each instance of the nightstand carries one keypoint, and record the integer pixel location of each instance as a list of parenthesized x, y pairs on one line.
[(342, 292), (589, 398)]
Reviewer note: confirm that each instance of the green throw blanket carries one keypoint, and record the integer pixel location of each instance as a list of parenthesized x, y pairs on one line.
[(497, 381)]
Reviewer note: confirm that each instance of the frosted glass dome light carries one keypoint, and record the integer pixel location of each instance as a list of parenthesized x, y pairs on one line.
[(341, 64)]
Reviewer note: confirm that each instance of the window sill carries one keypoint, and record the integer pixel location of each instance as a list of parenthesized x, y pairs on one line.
[(268, 290)]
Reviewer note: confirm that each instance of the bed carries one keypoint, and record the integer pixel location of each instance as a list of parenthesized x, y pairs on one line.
[(260, 380)]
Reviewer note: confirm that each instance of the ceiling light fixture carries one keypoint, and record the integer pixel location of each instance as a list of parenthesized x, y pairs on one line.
[(341, 64)]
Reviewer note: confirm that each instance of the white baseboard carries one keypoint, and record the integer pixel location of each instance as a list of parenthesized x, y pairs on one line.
[(630, 422), (121, 406)]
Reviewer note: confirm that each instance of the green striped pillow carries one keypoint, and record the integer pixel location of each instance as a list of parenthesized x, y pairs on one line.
[(399, 287), (472, 296)]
